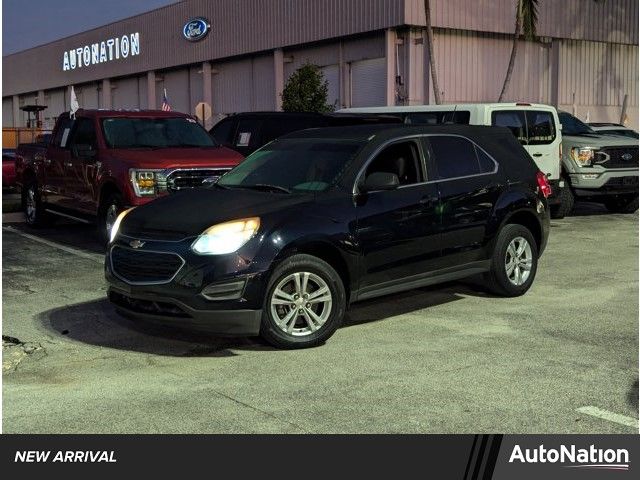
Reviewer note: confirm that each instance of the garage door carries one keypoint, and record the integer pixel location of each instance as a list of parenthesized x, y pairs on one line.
[(332, 76), (369, 83)]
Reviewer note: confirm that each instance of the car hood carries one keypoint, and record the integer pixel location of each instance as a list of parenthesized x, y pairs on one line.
[(599, 140), (190, 212), (176, 157)]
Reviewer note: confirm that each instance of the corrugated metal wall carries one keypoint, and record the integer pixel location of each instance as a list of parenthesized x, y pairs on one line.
[(7, 112), (88, 95), (472, 67), (124, 93), (604, 21), (56, 102)]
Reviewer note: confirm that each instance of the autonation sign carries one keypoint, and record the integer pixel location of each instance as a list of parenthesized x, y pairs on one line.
[(101, 52)]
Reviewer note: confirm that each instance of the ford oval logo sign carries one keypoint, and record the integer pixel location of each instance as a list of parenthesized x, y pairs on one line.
[(196, 29)]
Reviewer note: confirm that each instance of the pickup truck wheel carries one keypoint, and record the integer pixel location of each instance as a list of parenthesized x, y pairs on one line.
[(623, 204), (304, 305), (109, 211), (514, 262), (567, 201), (34, 213)]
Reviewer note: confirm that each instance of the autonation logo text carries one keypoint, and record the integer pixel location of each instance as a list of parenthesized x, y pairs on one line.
[(573, 457)]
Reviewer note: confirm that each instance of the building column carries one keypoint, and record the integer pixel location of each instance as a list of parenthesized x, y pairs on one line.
[(151, 90), (415, 68), (554, 73), (106, 93), (390, 55), (16, 112), (207, 91), (278, 72)]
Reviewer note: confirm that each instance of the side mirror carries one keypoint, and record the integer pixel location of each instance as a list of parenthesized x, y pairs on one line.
[(381, 181), (83, 151)]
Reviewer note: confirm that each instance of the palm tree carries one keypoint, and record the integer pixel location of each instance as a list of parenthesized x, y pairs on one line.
[(430, 49), (526, 21)]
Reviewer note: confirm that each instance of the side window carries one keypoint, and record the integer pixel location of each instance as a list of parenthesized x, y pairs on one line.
[(458, 157), (62, 134), (84, 133), (437, 118), (248, 133), (541, 126), (222, 131), (512, 119), (402, 158)]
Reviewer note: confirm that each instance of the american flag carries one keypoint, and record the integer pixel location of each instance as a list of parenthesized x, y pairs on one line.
[(165, 103)]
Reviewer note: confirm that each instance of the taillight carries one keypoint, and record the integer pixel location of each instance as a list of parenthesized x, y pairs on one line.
[(543, 184)]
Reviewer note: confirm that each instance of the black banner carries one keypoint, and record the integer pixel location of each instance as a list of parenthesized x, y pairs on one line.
[(466, 457)]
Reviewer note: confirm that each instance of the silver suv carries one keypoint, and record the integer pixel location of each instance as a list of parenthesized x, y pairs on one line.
[(600, 168)]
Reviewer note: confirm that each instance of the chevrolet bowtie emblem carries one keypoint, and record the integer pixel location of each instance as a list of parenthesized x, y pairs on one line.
[(136, 244)]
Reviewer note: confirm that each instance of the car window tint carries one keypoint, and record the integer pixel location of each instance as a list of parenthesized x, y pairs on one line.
[(84, 133), (541, 127), (64, 127), (513, 120), (401, 159), (454, 156), (438, 118), (221, 131)]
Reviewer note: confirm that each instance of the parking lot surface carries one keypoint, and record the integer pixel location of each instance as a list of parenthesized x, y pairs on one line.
[(445, 359)]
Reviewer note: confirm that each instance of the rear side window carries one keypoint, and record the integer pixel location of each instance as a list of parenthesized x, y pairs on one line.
[(541, 129), (62, 134), (514, 120), (456, 157), (437, 118), (222, 131)]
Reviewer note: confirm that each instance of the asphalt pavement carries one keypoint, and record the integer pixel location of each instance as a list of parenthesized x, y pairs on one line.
[(444, 359)]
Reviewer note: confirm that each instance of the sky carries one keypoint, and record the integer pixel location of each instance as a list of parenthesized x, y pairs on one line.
[(28, 23)]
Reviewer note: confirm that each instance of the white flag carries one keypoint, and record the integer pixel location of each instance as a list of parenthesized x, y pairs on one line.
[(74, 103)]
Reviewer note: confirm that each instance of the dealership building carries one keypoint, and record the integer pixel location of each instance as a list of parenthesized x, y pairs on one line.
[(215, 57)]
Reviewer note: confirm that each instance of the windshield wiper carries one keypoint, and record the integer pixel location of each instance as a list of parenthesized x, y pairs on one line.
[(265, 186)]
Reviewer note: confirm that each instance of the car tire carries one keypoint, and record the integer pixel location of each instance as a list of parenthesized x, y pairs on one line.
[(295, 315), (514, 262), (567, 201), (32, 206), (626, 204), (109, 210)]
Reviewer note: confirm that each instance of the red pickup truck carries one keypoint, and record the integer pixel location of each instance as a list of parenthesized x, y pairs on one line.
[(103, 161)]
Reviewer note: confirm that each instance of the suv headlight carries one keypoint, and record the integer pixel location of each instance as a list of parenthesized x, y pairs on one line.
[(226, 237), (116, 225), (144, 182), (583, 156)]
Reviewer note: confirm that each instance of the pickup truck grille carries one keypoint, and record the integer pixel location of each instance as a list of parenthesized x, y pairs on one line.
[(617, 157), (140, 267), (181, 179)]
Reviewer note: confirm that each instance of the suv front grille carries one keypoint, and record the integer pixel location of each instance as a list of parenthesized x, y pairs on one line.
[(181, 179), (613, 157), (138, 266)]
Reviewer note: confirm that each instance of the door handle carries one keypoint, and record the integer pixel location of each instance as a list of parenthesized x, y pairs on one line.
[(537, 154)]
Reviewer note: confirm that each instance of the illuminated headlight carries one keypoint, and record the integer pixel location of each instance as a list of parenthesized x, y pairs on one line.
[(583, 156), (226, 237), (116, 225), (144, 182)]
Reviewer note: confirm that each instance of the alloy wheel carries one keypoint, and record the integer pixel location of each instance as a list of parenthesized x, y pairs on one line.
[(301, 303), (30, 204), (518, 261)]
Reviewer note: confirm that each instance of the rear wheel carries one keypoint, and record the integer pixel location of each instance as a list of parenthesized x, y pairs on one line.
[(622, 204), (567, 202), (304, 305), (514, 262), (110, 208), (34, 213)]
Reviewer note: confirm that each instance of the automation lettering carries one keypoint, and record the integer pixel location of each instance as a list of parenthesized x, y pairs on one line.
[(100, 52)]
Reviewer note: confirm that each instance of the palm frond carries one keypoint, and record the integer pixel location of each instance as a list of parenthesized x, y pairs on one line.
[(529, 9)]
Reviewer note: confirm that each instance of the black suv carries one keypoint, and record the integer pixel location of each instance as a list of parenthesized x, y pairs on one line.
[(316, 220), (247, 132)]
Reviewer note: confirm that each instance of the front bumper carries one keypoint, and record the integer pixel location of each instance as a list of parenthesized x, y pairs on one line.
[(610, 182), (192, 298)]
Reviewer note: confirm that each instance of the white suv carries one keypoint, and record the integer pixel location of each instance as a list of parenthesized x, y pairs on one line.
[(536, 126)]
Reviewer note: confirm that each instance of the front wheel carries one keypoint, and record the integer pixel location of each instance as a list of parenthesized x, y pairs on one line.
[(623, 204), (34, 214), (514, 262), (110, 208), (567, 201), (304, 305)]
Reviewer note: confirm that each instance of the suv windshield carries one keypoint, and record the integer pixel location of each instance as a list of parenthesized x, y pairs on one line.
[(297, 164), (155, 133), (572, 126)]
